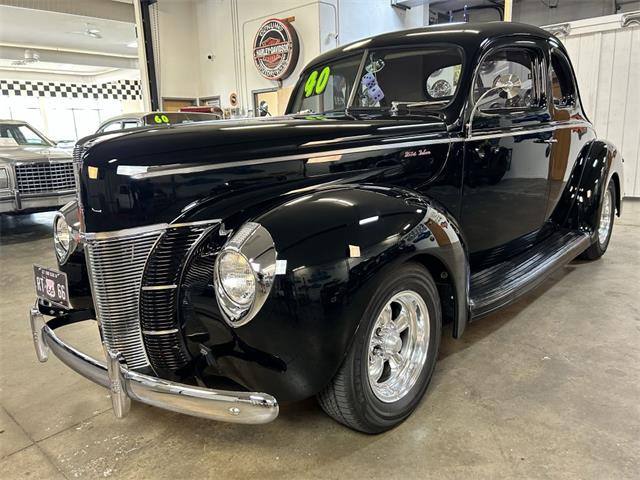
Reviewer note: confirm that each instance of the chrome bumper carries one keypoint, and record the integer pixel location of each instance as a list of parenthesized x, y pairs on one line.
[(125, 384), (15, 202)]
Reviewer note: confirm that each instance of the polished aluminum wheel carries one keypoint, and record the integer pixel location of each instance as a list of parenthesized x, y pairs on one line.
[(605, 218), (398, 346)]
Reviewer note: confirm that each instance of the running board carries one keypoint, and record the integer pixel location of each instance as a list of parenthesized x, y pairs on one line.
[(501, 284)]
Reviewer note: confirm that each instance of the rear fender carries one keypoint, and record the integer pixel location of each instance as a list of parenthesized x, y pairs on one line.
[(602, 165)]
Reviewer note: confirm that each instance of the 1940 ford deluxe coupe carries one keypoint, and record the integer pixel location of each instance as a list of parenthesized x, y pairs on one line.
[(420, 178)]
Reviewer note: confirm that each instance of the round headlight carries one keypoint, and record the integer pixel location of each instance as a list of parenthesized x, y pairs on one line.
[(236, 277), (62, 237)]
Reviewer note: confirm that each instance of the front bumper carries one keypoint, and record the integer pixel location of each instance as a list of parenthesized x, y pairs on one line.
[(15, 202), (125, 384)]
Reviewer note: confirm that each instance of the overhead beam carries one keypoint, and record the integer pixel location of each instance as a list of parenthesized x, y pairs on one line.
[(71, 57), (105, 9)]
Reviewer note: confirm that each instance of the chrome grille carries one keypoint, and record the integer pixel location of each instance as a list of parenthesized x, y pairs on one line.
[(116, 266), (159, 298), (78, 150), (42, 177)]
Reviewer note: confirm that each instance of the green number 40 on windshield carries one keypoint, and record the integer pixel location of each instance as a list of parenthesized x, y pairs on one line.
[(317, 82)]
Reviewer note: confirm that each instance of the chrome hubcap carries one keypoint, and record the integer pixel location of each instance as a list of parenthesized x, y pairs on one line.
[(398, 346), (605, 219)]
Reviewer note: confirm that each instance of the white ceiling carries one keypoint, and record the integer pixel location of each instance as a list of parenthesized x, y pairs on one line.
[(60, 41), (51, 29)]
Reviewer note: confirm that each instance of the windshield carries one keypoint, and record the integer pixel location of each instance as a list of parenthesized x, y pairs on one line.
[(11, 135), (425, 77), (326, 88)]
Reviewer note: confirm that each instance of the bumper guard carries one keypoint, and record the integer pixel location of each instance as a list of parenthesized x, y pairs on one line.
[(125, 384)]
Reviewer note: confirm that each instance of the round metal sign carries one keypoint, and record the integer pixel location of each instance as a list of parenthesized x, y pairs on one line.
[(275, 49)]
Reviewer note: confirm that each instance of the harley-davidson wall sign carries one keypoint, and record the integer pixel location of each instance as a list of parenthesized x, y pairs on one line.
[(275, 49)]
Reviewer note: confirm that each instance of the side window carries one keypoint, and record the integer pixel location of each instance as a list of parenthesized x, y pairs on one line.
[(443, 82), (562, 87), (110, 127), (518, 64), (127, 124)]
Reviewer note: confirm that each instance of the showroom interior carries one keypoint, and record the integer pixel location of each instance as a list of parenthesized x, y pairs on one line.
[(147, 145)]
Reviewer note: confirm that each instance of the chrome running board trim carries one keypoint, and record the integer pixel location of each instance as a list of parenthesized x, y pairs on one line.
[(126, 385)]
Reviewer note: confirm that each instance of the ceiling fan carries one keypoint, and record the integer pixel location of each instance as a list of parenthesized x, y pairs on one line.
[(89, 31), (30, 57)]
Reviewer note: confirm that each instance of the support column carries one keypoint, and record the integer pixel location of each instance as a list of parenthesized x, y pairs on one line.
[(508, 10), (146, 58)]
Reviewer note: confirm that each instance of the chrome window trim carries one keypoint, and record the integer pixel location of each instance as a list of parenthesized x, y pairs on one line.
[(517, 45), (356, 81), (555, 50)]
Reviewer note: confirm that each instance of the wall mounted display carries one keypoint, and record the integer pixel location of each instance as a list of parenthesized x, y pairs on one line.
[(276, 49)]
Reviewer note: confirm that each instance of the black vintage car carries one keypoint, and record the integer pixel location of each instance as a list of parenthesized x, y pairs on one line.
[(421, 178)]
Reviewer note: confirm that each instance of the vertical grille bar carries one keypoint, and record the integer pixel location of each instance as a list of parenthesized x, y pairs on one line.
[(116, 268)]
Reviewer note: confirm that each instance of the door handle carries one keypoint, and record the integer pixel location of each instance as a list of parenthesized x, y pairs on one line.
[(549, 141)]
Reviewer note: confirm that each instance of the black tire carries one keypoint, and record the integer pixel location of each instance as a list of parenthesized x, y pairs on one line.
[(598, 247), (349, 397)]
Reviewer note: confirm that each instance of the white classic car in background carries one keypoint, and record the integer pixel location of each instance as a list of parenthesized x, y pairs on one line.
[(35, 174)]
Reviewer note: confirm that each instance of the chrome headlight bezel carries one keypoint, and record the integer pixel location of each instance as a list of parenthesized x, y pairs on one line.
[(64, 223), (253, 243)]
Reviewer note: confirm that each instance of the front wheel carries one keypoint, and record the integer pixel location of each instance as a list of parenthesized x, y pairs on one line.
[(391, 361), (605, 225)]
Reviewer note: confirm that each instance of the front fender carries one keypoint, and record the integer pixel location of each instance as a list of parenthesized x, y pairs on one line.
[(339, 243)]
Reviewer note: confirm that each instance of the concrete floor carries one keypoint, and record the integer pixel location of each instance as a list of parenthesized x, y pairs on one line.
[(548, 388)]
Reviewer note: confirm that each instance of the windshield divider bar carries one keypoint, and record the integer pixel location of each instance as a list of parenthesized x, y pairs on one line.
[(356, 82)]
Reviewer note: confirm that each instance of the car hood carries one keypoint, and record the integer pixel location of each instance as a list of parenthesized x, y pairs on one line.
[(32, 153), (154, 175), (229, 141)]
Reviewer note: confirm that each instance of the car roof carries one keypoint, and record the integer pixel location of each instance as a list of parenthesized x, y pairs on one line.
[(123, 116), (13, 122), (470, 36)]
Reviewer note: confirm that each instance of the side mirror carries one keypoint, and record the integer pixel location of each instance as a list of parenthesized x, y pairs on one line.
[(508, 83)]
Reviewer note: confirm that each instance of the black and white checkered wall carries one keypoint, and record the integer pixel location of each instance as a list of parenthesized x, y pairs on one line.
[(120, 90)]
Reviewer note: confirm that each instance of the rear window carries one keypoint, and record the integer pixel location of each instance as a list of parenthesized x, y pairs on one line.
[(176, 118)]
